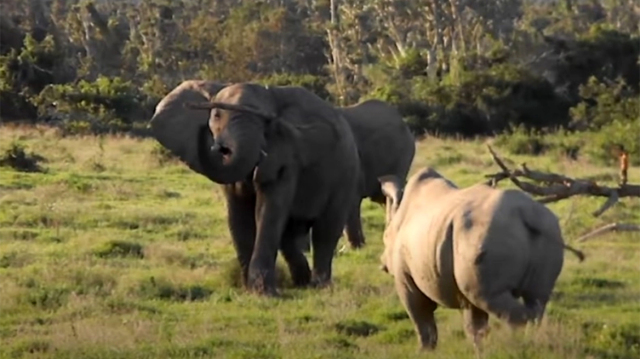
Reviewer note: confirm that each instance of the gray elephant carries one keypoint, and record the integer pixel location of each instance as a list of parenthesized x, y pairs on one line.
[(385, 147), (385, 144), (288, 164), (478, 249)]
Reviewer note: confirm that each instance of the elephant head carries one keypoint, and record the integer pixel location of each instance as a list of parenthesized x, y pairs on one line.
[(240, 117)]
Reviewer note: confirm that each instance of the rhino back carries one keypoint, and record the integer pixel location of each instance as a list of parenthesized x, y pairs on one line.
[(490, 242)]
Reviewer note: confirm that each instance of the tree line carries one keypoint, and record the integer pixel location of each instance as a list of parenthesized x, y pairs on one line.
[(521, 68)]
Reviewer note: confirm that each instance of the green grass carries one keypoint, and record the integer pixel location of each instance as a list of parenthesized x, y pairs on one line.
[(116, 251)]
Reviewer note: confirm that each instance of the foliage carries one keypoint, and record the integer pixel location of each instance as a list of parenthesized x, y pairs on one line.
[(104, 105), (458, 68)]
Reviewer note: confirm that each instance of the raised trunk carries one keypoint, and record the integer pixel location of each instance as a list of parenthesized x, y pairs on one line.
[(243, 139)]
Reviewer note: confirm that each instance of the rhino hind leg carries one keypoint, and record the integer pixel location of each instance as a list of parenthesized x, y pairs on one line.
[(509, 309), (538, 304), (420, 309), (476, 326)]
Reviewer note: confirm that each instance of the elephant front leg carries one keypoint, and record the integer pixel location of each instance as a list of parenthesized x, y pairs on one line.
[(272, 211), (242, 226)]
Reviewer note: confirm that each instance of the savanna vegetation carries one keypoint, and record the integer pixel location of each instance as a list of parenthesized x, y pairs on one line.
[(111, 248)]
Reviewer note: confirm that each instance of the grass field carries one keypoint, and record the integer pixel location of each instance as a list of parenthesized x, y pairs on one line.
[(119, 252)]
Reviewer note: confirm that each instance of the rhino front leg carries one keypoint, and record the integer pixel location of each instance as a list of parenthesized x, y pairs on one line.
[(420, 309)]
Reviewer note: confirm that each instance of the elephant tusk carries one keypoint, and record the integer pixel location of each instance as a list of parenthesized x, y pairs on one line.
[(263, 153)]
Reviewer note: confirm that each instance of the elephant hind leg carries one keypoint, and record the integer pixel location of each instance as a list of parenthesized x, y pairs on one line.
[(290, 247), (355, 235), (325, 235), (476, 326), (420, 309)]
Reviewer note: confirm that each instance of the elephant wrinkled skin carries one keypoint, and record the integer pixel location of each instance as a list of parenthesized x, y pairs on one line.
[(385, 147), (477, 249), (288, 164)]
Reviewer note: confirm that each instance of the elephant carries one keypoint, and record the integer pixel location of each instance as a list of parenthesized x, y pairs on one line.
[(478, 249), (287, 162), (385, 146)]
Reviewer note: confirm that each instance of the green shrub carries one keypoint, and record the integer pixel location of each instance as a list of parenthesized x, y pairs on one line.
[(159, 288), (17, 157), (481, 102), (315, 84), (106, 105), (25, 72), (118, 248), (602, 144), (608, 113), (519, 141)]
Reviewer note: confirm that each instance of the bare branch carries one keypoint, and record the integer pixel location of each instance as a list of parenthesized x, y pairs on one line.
[(611, 227), (557, 187)]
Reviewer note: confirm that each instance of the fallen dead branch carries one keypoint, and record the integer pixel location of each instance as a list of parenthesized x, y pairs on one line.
[(558, 187), (554, 187), (611, 227)]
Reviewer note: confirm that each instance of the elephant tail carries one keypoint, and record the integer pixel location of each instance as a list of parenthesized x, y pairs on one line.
[(539, 219)]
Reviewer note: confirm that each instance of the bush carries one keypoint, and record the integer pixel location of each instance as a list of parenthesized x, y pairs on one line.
[(315, 84), (25, 73), (17, 157), (519, 141), (105, 105), (118, 248), (608, 113), (602, 53), (482, 102)]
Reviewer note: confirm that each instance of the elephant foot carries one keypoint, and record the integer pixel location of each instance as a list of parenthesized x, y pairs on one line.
[(320, 281), (263, 282), (301, 277)]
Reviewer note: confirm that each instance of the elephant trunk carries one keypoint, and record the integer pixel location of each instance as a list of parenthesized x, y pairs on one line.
[(233, 155)]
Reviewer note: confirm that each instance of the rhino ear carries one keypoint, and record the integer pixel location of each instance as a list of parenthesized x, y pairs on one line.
[(391, 188)]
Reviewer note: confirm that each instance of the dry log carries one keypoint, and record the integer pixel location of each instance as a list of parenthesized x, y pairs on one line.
[(611, 227), (557, 187)]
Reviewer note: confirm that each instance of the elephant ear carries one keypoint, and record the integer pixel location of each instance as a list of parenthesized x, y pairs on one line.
[(182, 129)]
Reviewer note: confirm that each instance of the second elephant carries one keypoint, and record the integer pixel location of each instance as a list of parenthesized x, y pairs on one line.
[(385, 146)]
